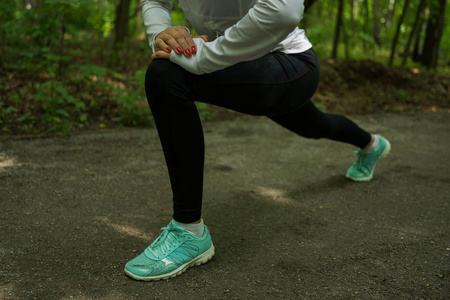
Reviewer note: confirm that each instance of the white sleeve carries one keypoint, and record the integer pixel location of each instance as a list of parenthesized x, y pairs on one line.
[(266, 24), (156, 15)]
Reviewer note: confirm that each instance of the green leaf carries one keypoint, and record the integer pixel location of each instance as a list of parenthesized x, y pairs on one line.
[(62, 112), (23, 117), (61, 89), (83, 118), (80, 105), (10, 109)]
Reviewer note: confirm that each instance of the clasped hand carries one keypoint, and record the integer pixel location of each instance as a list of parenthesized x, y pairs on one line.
[(175, 39)]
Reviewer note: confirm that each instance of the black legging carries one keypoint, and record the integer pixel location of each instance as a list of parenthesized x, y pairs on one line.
[(277, 85)]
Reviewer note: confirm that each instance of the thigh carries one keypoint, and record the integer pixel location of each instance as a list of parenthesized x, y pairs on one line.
[(274, 84)]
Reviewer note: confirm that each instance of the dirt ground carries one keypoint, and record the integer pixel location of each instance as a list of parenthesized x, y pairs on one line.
[(368, 87), (285, 221)]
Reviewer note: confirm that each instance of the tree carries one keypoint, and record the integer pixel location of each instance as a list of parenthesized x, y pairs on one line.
[(433, 35), (416, 55), (120, 29), (397, 33), (338, 29), (376, 22), (415, 29)]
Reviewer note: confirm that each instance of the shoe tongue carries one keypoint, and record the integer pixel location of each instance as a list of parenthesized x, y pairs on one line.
[(167, 237)]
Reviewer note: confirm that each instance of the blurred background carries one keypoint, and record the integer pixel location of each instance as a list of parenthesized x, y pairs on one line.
[(80, 64)]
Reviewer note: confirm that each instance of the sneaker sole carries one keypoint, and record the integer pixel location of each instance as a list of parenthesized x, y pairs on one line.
[(197, 261), (383, 155)]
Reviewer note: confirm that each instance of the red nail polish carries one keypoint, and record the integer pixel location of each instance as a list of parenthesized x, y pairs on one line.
[(188, 52), (194, 50), (180, 50), (169, 49)]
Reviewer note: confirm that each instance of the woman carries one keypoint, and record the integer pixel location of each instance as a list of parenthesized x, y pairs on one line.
[(251, 58)]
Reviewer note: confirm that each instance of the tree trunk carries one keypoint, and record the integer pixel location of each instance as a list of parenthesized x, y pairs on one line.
[(397, 33), (376, 22), (338, 29), (120, 29), (435, 25), (414, 30), (416, 55), (308, 4), (138, 16)]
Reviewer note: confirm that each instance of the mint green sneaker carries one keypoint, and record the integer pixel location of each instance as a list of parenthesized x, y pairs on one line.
[(362, 169), (171, 254)]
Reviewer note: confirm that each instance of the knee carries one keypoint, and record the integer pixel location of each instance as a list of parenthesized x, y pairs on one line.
[(157, 73), (163, 78)]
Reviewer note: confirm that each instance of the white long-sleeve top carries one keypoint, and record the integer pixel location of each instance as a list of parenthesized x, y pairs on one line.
[(238, 30)]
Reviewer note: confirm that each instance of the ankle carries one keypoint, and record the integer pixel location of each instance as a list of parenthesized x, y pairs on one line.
[(372, 146), (197, 228)]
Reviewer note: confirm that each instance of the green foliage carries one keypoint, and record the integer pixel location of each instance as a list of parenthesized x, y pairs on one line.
[(359, 26), (59, 107), (401, 94), (73, 102), (89, 71), (133, 108), (101, 20), (54, 55), (321, 106), (204, 111), (444, 50), (5, 111), (37, 35)]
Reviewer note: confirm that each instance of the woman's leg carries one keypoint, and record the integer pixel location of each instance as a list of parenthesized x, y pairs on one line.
[(170, 97), (274, 84), (310, 122)]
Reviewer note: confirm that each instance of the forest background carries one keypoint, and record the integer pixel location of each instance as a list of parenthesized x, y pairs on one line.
[(70, 65)]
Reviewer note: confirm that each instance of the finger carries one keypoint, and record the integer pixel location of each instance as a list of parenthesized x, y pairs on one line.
[(189, 40), (185, 40), (160, 55), (166, 38), (203, 37), (160, 45), (178, 39)]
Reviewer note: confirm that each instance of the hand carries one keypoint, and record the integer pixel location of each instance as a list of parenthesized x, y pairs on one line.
[(178, 39), (165, 54)]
